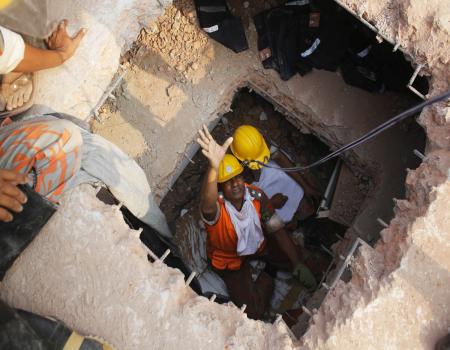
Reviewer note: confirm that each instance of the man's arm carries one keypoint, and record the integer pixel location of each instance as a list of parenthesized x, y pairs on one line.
[(214, 153), (61, 48), (209, 196), (274, 226)]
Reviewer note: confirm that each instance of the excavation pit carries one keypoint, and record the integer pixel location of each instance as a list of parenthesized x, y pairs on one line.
[(159, 104), (169, 91), (319, 235)]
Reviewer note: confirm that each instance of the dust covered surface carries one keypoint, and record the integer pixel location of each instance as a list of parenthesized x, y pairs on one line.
[(155, 116), (88, 269)]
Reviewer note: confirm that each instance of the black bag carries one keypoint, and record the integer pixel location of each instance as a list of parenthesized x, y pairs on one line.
[(281, 30), (17, 234), (217, 21), (22, 330)]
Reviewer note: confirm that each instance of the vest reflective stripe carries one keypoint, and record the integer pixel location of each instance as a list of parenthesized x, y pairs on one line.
[(313, 48)]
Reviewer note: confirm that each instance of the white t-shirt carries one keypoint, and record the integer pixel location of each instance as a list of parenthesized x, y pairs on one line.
[(273, 181), (13, 50)]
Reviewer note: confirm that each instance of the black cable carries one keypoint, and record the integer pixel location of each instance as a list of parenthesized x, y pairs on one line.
[(372, 133)]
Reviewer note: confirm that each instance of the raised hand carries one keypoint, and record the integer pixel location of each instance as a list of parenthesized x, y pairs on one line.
[(61, 42), (11, 198), (211, 149)]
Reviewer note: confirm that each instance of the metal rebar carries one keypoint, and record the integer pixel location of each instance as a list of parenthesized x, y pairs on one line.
[(149, 251), (419, 154), (413, 89), (339, 236), (396, 46), (165, 255), (213, 297), (345, 263), (414, 75), (413, 78), (331, 186), (323, 214), (107, 94), (327, 250), (190, 278), (307, 311), (243, 307), (188, 158), (280, 319), (325, 275), (382, 223)]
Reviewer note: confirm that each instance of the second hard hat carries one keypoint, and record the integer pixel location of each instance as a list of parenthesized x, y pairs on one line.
[(249, 145)]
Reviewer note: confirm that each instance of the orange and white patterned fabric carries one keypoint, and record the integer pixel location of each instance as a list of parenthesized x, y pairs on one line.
[(49, 148)]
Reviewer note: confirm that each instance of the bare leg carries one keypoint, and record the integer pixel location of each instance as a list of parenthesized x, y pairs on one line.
[(256, 295)]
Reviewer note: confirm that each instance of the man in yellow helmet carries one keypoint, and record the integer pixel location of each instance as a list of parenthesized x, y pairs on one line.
[(241, 224), (287, 192)]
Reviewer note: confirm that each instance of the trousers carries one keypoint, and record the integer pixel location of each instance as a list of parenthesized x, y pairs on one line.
[(48, 150), (256, 295)]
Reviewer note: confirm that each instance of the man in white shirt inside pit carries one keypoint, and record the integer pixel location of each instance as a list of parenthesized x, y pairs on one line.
[(291, 195)]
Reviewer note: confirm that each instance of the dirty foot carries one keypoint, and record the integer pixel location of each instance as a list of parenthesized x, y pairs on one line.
[(16, 90)]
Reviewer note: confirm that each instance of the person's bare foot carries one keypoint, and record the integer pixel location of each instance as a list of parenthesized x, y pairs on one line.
[(16, 90)]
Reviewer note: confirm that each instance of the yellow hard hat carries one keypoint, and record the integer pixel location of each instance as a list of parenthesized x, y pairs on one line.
[(249, 144), (4, 3), (229, 167)]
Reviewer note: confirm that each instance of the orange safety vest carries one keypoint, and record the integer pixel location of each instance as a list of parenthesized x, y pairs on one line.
[(222, 238)]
